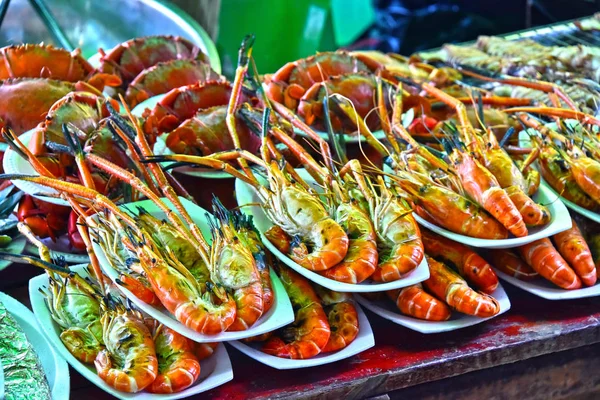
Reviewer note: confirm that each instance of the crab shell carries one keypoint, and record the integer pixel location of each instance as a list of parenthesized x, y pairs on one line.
[(130, 58), (359, 88), (290, 82), (194, 117), (83, 110), (24, 102), (166, 76), (182, 103), (40, 61)]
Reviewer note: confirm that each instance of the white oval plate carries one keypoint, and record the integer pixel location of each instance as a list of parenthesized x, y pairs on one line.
[(547, 290), (280, 314), (363, 341), (160, 147), (15, 247), (561, 221), (214, 371), (55, 367), (524, 142), (594, 216), (245, 194), (15, 164), (387, 309)]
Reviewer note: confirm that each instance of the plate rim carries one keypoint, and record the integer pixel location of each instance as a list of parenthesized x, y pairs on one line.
[(286, 364), (422, 269), (282, 303), (429, 327), (91, 376)]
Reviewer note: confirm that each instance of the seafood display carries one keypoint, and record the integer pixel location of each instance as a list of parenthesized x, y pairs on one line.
[(131, 352), (325, 321), (573, 69), (370, 171), (565, 259)]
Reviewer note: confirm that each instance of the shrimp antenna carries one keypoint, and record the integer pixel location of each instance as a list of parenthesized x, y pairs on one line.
[(507, 136), (337, 141)]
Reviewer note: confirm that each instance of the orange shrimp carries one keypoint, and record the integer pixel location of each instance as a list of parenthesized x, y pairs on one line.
[(511, 179), (281, 240), (559, 176), (574, 249), (180, 294), (361, 260), (449, 209), (511, 264), (450, 287), (342, 317), (478, 182), (310, 331), (415, 302), (129, 362), (398, 235), (546, 261), (483, 188), (586, 172), (468, 263), (236, 268), (178, 367), (247, 233), (204, 350)]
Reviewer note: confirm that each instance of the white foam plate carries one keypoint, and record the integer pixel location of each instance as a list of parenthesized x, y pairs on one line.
[(547, 290), (280, 314), (524, 142), (160, 147), (387, 309), (363, 341), (55, 367), (15, 164), (561, 221), (15, 247), (245, 194), (214, 371)]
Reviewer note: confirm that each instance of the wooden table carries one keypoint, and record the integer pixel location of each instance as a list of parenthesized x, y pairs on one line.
[(539, 349)]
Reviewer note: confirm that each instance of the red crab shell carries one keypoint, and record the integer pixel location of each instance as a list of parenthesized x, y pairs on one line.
[(182, 103), (166, 76), (84, 110), (130, 58), (40, 61), (24, 102), (359, 88)]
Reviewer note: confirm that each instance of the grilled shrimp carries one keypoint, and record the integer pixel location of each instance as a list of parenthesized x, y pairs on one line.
[(342, 317), (448, 286), (310, 332), (511, 264), (546, 261), (236, 269), (415, 302), (129, 362), (574, 249), (178, 366), (468, 263)]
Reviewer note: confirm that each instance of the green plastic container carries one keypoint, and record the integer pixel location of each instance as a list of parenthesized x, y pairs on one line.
[(287, 30)]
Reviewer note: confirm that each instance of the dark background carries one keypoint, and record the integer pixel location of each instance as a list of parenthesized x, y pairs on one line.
[(406, 26)]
